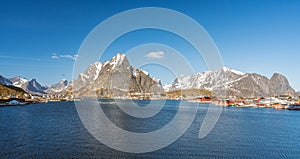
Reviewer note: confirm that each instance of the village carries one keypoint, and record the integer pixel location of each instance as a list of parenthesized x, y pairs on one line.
[(277, 102)]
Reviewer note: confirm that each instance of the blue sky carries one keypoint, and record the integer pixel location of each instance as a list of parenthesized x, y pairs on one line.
[(40, 38)]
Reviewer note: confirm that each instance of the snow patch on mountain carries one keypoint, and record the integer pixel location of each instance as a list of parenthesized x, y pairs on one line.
[(58, 87), (117, 60), (235, 83), (32, 86), (233, 71), (91, 72), (19, 81)]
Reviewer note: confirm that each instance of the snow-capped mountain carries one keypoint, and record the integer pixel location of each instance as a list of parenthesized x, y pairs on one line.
[(31, 86), (91, 72), (58, 87), (232, 82), (208, 79), (114, 78), (87, 77), (18, 81), (5, 81)]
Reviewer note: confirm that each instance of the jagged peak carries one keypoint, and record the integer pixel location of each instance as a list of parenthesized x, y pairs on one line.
[(228, 69), (19, 78), (33, 80), (105, 63), (98, 65), (117, 59)]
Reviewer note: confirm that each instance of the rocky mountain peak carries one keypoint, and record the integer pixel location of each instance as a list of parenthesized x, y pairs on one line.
[(64, 81), (118, 59), (18, 81), (118, 78), (118, 63), (278, 76), (31, 86), (228, 69), (237, 83), (92, 71), (280, 83), (34, 86), (88, 76), (58, 87)]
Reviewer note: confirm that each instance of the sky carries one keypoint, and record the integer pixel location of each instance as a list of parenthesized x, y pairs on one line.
[(41, 39)]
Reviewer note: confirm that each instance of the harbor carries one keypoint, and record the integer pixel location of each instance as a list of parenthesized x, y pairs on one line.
[(276, 102)]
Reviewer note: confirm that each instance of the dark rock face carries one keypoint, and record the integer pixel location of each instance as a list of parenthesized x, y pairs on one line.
[(5, 81), (34, 86)]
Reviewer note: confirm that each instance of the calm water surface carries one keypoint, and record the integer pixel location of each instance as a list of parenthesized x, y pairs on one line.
[(54, 130)]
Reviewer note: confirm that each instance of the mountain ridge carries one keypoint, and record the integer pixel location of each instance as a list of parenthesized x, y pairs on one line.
[(117, 77), (227, 81), (31, 86)]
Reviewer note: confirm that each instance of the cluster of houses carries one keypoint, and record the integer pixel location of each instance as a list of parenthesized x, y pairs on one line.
[(12, 100), (277, 102)]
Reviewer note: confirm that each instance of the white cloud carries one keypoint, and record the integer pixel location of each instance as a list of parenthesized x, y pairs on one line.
[(155, 55), (54, 57), (72, 57)]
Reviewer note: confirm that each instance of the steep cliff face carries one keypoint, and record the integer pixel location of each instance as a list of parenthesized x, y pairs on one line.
[(117, 78), (145, 83), (280, 85), (87, 77)]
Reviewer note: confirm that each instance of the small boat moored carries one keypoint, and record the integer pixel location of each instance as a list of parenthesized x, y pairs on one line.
[(295, 106)]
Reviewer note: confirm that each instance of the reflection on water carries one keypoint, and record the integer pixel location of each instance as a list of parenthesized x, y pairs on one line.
[(55, 130)]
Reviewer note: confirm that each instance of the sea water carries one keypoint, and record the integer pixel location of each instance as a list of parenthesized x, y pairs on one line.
[(54, 130)]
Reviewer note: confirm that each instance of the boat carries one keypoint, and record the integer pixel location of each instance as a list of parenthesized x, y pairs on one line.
[(295, 106), (278, 106), (225, 103), (14, 102)]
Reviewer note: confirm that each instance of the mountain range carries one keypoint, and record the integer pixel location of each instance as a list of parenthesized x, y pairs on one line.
[(227, 81), (33, 86), (117, 77)]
